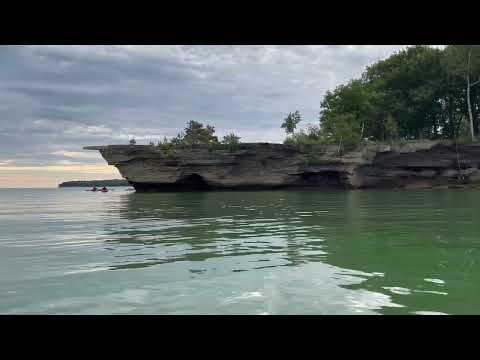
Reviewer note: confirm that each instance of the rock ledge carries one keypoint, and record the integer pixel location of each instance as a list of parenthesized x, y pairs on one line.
[(422, 164)]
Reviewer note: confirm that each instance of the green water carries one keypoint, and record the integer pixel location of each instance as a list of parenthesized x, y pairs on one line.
[(67, 251)]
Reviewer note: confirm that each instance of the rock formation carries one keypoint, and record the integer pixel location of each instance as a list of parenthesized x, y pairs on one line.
[(420, 164)]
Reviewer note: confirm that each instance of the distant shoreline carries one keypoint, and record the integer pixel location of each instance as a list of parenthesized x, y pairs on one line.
[(91, 183)]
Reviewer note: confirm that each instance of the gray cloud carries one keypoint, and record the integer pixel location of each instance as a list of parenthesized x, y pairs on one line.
[(56, 99)]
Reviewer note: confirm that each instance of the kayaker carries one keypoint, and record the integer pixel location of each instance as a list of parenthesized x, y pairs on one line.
[(104, 189), (94, 188)]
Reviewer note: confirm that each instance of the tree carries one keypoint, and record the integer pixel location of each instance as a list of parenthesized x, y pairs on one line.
[(310, 136), (164, 142), (463, 63), (413, 86), (132, 142), (343, 130), (195, 134), (391, 128), (179, 139), (291, 121), (407, 86), (232, 141), (355, 100)]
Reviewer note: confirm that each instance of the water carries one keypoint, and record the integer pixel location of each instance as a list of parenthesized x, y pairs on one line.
[(68, 251)]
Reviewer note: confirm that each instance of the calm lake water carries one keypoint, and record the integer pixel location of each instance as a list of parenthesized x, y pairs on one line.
[(68, 251)]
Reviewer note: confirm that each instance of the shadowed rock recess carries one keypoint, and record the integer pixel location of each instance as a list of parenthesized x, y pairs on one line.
[(255, 166)]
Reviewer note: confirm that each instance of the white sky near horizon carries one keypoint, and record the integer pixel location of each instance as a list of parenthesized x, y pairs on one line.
[(57, 99)]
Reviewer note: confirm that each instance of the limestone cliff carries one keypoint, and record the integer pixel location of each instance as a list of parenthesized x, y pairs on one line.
[(264, 166)]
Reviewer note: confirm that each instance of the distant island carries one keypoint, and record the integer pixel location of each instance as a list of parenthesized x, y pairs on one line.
[(91, 183)]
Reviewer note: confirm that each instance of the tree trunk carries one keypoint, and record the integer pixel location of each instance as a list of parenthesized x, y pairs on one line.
[(474, 100), (468, 96)]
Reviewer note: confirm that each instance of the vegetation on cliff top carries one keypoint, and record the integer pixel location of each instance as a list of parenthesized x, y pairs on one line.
[(196, 134), (417, 93)]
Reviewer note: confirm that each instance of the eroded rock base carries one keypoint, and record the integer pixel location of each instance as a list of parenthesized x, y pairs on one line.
[(263, 166)]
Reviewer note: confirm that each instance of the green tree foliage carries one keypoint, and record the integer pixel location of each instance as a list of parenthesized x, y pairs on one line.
[(232, 141), (291, 121), (462, 63), (349, 106), (312, 135), (196, 133), (164, 142), (391, 128), (345, 131), (417, 93), (167, 146), (179, 139)]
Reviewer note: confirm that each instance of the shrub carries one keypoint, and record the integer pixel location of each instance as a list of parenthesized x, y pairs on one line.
[(232, 142), (195, 134)]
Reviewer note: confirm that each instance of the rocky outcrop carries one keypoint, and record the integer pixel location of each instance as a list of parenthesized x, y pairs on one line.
[(264, 166)]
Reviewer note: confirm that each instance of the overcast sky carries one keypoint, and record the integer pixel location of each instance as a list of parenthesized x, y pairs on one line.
[(56, 99)]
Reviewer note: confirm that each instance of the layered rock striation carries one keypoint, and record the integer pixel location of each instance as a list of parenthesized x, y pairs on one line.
[(267, 166)]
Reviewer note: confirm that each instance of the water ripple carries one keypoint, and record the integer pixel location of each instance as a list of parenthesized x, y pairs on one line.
[(68, 251)]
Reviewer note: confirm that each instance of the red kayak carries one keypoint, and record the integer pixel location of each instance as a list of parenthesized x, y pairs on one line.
[(99, 190)]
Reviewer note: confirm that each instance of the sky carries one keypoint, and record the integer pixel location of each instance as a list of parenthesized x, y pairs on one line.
[(56, 99)]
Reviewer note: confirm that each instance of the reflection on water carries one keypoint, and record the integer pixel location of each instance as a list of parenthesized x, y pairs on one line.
[(256, 232), (305, 252)]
